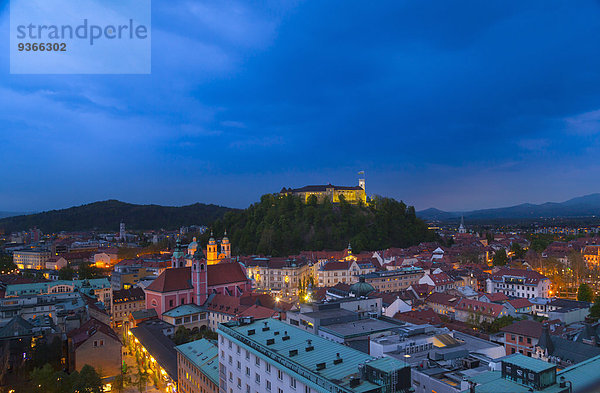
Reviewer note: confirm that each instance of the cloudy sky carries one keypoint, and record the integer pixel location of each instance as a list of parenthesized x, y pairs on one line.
[(455, 105)]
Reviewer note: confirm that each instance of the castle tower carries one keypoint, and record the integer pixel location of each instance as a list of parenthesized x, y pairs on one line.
[(178, 258), (226, 246), (122, 231), (212, 252), (199, 277), (362, 183)]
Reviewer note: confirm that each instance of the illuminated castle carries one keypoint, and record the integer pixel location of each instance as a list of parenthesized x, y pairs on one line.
[(352, 194)]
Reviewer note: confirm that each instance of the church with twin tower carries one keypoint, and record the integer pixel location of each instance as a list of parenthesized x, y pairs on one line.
[(193, 276)]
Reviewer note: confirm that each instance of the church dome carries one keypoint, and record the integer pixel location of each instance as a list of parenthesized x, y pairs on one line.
[(193, 246), (225, 238), (361, 288), (212, 239)]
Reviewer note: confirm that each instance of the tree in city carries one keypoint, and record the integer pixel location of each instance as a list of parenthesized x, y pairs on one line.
[(585, 293), (500, 258), (88, 271), (595, 310), (47, 380), (578, 265), (140, 379), (66, 273), (6, 263), (518, 251)]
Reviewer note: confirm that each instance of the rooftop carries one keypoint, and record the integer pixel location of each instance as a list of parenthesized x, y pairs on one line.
[(183, 310), (290, 347), (203, 354), (529, 363)]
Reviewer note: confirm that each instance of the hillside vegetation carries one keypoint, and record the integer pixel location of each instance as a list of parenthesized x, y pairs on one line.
[(281, 226), (106, 216)]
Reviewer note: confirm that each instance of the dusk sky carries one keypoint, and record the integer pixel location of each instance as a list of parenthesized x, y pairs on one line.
[(448, 104)]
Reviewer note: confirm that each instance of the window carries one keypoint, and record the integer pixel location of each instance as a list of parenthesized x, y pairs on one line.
[(269, 386), (257, 360), (239, 365), (268, 367), (171, 303), (528, 340), (247, 355), (230, 360), (239, 383), (247, 371), (280, 375), (279, 390), (293, 383), (257, 378)]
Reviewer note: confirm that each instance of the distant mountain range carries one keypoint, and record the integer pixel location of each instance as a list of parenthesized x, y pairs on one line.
[(11, 214), (106, 216), (585, 206)]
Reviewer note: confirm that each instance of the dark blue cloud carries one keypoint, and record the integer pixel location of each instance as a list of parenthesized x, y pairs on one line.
[(454, 104)]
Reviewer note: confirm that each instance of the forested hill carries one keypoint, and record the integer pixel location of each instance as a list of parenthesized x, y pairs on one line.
[(106, 216), (281, 226)]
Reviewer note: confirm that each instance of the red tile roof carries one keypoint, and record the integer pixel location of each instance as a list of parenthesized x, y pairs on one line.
[(336, 265), (174, 279), (531, 276), (524, 328), (88, 329), (520, 303), (441, 279), (495, 297), (489, 309), (225, 273), (443, 299)]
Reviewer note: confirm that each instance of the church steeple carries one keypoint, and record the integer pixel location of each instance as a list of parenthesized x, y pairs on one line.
[(212, 253), (226, 246)]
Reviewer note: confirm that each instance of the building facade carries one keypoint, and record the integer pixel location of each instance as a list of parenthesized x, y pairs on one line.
[(519, 283), (31, 259), (198, 367), (124, 303), (329, 192), (394, 280)]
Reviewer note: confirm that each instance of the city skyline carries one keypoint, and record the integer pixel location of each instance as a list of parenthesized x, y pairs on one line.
[(455, 106)]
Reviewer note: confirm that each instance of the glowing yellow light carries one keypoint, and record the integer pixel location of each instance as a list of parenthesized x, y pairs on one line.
[(277, 299)]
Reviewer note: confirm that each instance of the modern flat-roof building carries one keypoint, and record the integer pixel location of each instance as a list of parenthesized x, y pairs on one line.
[(31, 259), (271, 356), (198, 367)]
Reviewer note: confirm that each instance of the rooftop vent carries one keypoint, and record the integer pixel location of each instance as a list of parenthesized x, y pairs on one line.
[(276, 333), (320, 366), (271, 341), (338, 359), (293, 352), (354, 382), (251, 332), (264, 329)]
